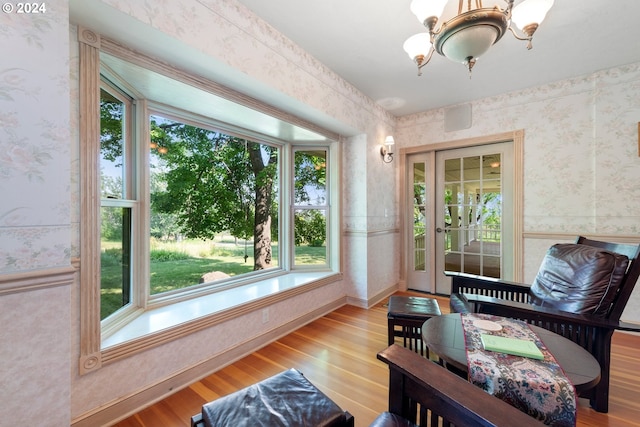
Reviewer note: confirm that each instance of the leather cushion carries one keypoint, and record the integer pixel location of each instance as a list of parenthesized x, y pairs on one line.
[(418, 308), (287, 400), (579, 279), (387, 419)]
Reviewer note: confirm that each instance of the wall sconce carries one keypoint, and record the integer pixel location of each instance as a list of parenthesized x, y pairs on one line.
[(387, 149)]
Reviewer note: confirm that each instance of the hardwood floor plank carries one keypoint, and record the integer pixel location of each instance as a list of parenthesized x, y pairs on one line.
[(337, 353), (205, 393)]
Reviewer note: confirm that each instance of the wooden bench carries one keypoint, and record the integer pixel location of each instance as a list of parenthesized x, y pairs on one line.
[(423, 393)]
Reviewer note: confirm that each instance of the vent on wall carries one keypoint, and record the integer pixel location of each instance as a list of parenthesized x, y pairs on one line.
[(457, 118)]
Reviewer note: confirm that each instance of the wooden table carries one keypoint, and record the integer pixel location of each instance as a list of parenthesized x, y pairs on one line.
[(444, 336)]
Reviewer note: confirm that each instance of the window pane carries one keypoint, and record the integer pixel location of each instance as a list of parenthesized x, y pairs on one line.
[(115, 221), (471, 169), (310, 178), (310, 225), (310, 236), (214, 203), (112, 126), (115, 257)]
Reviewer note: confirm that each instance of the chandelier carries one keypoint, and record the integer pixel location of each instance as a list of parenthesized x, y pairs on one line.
[(469, 34)]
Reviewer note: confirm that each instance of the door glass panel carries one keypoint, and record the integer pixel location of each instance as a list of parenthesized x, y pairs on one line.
[(471, 168), (452, 170), (473, 215), (419, 218)]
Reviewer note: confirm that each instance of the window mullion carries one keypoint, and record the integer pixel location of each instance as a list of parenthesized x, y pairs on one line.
[(141, 218)]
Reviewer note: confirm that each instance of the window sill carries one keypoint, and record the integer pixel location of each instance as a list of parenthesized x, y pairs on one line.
[(163, 324)]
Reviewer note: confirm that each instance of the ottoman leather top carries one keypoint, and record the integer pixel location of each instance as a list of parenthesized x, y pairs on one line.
[(287, 399), (413, 307)]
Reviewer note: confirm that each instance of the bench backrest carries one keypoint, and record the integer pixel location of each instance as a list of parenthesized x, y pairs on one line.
[(629, 280)]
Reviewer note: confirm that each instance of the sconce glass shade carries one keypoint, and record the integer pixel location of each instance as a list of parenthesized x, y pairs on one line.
[(530, 12), (424, 9), (386, 150), (417, 45), (389, 142)]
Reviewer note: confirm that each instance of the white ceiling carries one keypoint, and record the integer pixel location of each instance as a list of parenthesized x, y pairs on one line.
[(361, 40)]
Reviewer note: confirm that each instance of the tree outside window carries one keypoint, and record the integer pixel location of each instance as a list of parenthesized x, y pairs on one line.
[(214, 201)]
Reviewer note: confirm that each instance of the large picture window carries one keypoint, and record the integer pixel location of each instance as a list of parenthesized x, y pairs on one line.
[(213, 207), (212, 200), (186, 196)]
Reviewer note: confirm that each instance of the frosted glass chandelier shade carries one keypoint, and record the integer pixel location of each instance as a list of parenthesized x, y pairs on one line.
[(417, 45), (530, 12), (424, 9), (469, 44)]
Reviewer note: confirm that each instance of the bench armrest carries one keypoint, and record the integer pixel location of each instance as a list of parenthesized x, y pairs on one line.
[(417, 384)]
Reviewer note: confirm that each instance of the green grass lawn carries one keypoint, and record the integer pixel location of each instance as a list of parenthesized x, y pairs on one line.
[(176, 265)]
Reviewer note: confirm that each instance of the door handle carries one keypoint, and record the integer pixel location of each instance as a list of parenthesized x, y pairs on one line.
[(439, 230)]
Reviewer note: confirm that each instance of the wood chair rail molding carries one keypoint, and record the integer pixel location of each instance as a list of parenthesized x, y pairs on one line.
[(28, 281)]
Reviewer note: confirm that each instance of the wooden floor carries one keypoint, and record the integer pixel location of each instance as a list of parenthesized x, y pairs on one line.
[(337, 353)]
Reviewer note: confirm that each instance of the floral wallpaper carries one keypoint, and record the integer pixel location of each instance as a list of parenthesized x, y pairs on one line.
[(581, 162), (34, 140), (581, 149), (35, 344)]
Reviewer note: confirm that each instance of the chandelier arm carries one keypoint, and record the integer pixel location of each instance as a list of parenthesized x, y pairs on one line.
[(425, 60), (519, 37), (509, 7), (528, 38)]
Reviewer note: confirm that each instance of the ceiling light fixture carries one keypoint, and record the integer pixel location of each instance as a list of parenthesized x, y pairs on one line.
[(468, 35), (386, 150)]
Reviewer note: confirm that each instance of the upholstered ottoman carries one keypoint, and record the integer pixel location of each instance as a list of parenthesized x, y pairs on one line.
[(287, 399), (405, 317)]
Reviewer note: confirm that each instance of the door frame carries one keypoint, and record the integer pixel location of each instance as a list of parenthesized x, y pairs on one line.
[(517, 137)]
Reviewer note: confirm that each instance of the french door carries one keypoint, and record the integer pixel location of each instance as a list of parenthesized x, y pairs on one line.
[(461, 215)]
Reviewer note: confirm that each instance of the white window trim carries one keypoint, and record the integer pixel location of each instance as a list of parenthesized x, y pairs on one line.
[(324, 207)]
